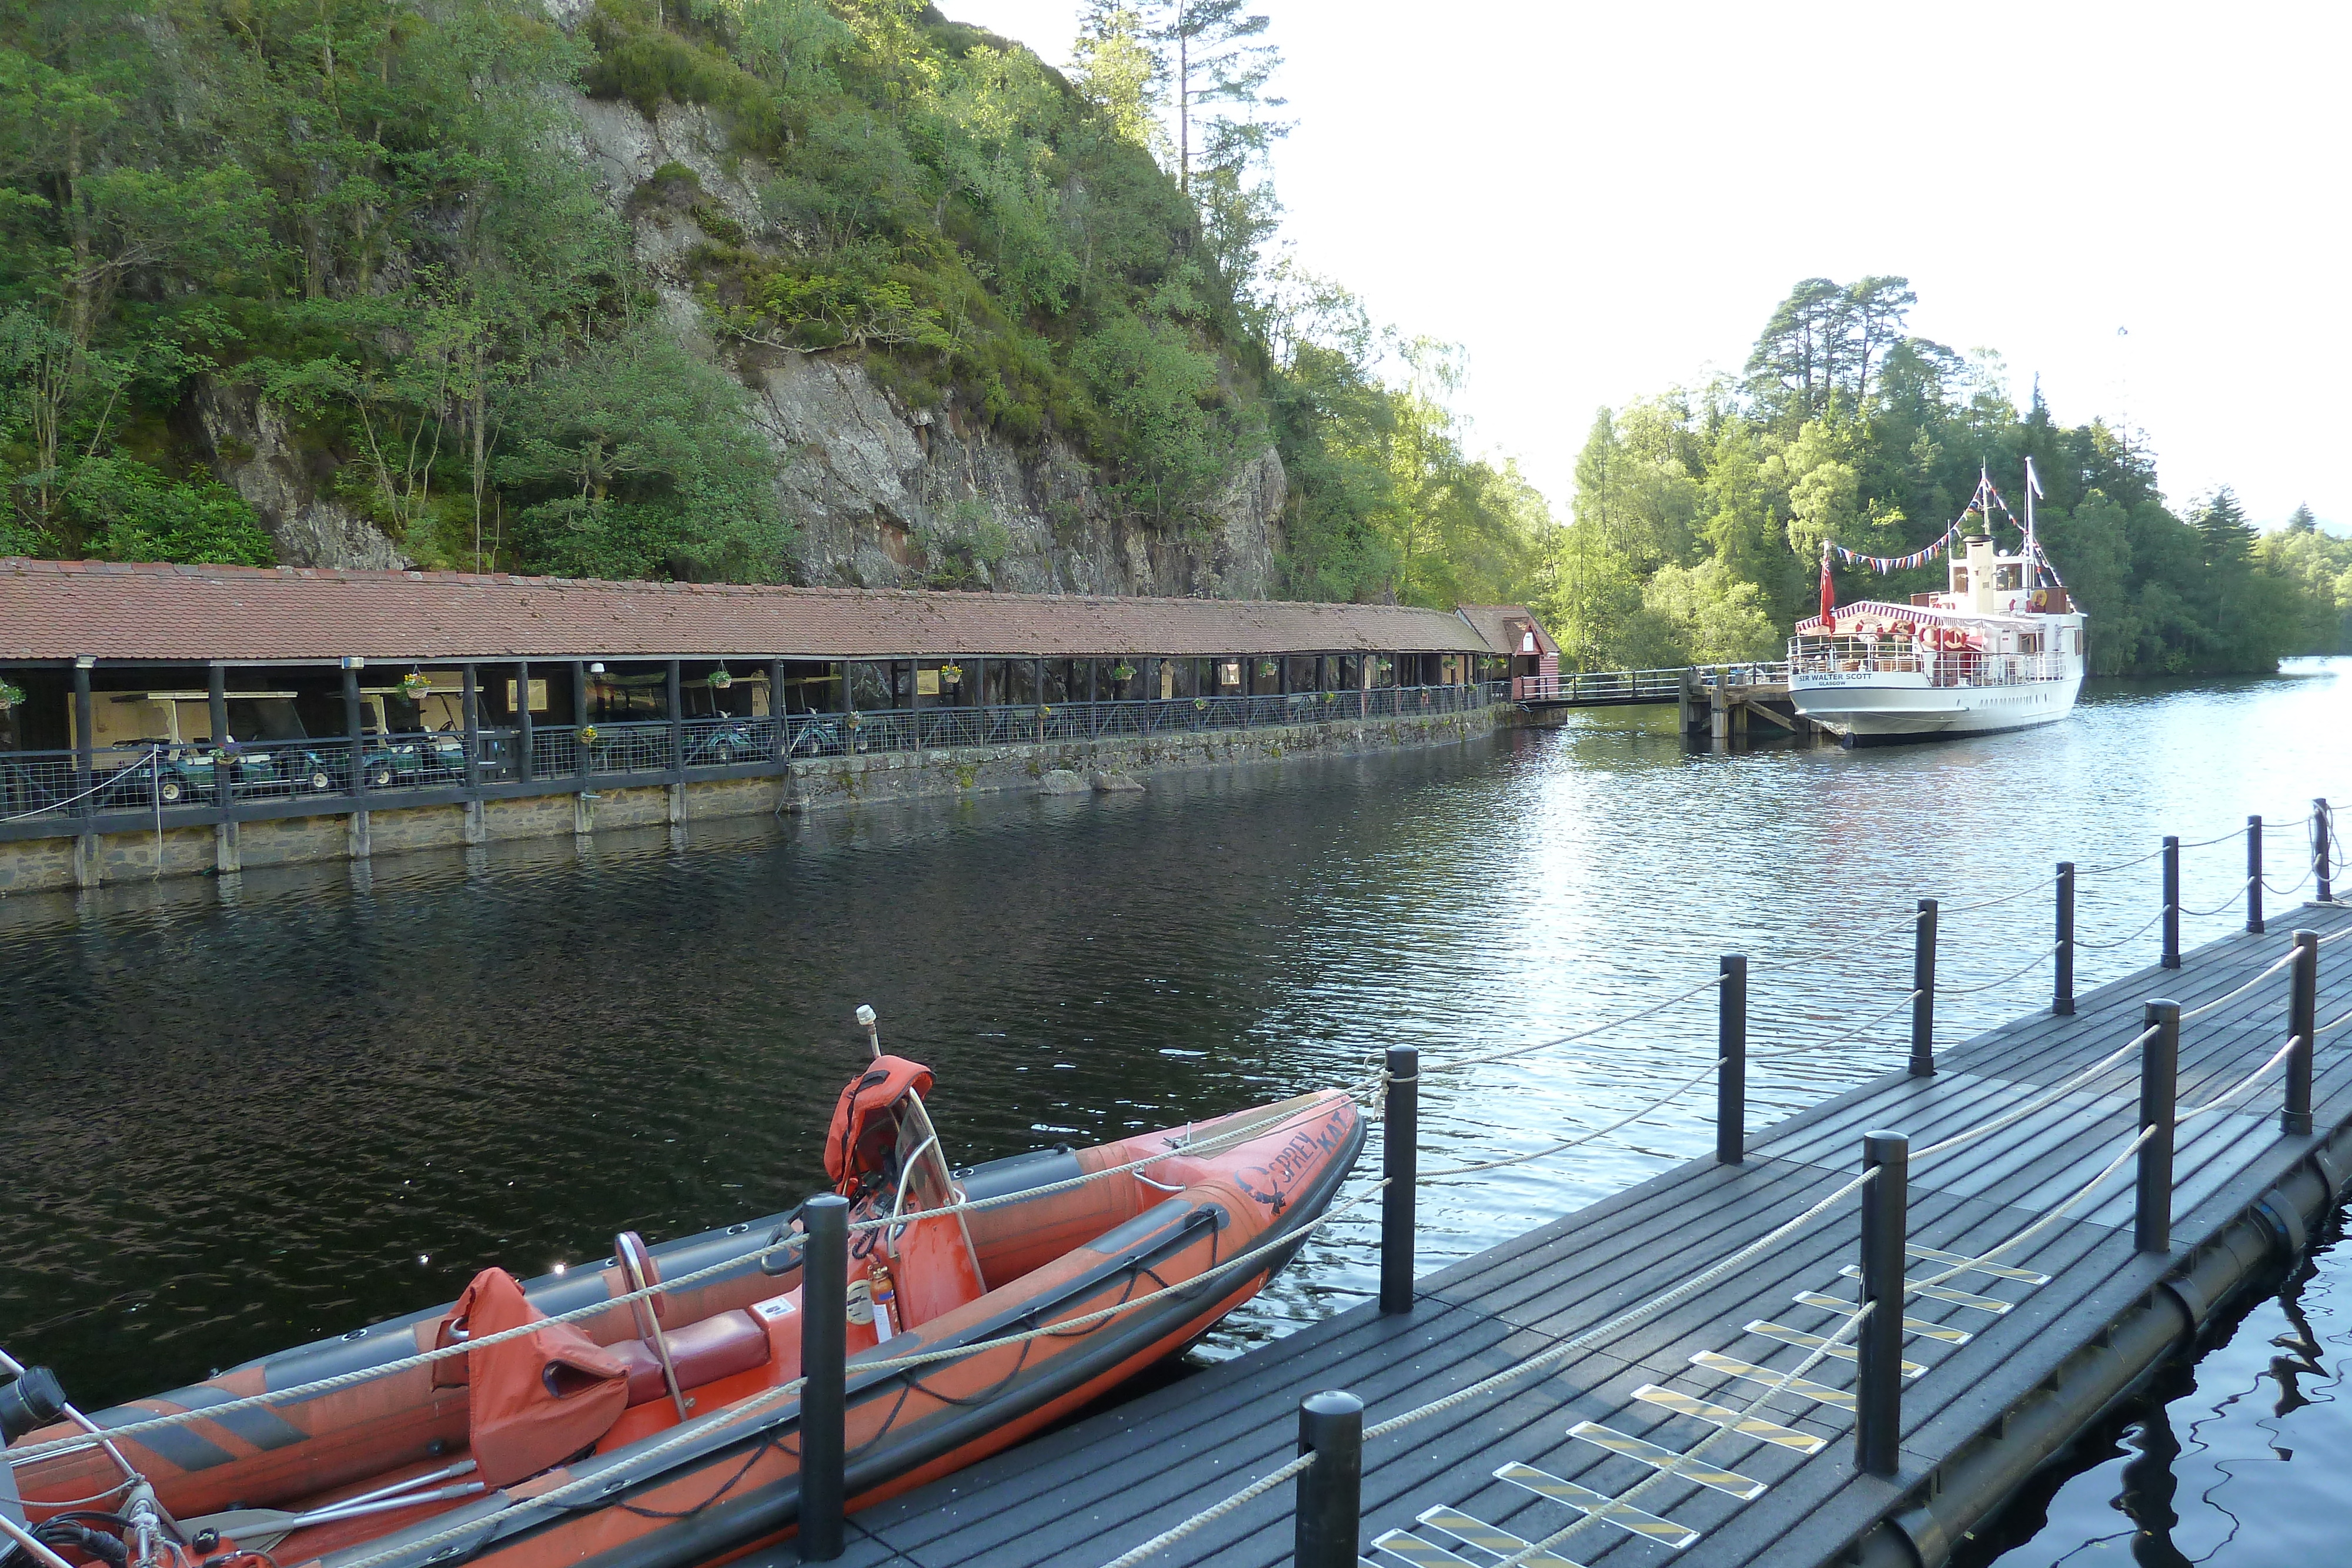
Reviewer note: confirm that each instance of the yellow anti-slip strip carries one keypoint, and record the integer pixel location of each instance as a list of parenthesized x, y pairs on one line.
[(1666, 1459), (1729, 1420), (1623, 1515), (1708, 1361), (1414, 1550), (1997, 1270), (1804, 1341), (1478, 1532), (1944, 1293), (1920, 1326)]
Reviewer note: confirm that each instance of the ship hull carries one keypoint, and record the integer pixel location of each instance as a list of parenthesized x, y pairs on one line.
[(1879, 709)]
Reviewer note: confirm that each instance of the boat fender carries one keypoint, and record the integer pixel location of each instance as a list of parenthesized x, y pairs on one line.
[(30, 1402)]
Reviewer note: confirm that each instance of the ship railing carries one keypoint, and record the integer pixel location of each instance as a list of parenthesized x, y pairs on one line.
[(1943, 667)]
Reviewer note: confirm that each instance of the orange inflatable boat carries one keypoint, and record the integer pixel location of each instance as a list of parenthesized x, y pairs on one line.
[(656, 1425)]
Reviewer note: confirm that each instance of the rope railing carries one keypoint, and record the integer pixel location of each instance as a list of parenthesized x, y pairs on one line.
[(1651, 1109), (2243, 888), (2032, 964), (2128, 936), (2047, 1098), (2281, 962)]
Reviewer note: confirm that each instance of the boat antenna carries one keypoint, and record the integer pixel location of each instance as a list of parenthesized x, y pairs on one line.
[(873, 1035)]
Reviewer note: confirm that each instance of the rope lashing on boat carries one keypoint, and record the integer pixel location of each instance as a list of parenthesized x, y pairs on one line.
[(608, 1481), (305, 1391), (1542, 1361), (2032, 963)]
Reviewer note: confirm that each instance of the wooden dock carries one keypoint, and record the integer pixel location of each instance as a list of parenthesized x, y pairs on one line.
[(1714, 703), (2013, 1359)]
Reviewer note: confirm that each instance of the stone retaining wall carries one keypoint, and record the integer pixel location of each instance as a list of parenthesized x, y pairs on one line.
[(814, 785)]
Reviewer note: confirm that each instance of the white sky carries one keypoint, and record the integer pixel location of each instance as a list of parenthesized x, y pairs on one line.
[(1600, 202)]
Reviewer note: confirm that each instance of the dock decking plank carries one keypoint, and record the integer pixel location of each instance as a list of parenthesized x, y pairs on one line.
[(1081, 1495)]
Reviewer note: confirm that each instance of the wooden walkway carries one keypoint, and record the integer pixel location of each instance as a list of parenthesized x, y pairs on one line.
[(1508, 1465)]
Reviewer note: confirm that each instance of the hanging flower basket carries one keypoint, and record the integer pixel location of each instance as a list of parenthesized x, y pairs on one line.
[(415, 684), (1200, 702), (1122, 672), (952, 675), (858, 721), (10, 696), (1266, 667), (588, 734), (1330, 696), (721, 680)]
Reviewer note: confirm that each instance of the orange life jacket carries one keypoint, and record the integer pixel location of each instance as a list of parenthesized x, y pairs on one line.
[(864, 1131)]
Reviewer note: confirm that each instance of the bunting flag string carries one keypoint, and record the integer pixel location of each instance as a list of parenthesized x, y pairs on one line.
[(1883, 564)]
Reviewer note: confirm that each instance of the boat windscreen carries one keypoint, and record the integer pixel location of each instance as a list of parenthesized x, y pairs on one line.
[(923, 1179)]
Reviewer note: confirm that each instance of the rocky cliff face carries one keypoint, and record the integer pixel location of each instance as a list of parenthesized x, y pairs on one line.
[(883, 496)]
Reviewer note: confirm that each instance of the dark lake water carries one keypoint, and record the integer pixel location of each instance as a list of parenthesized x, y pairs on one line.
[(242, 1115)]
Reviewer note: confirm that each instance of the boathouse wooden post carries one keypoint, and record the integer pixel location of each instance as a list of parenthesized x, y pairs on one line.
[(777, 748), (580, 717), (1400, 1163), (825, 1350), (1878, 1394), (2159, 1069), (225, 771), (1731, 1060), (2255, 875), (352, 724), (2320, 851), (1923, 992), (469, 700), (2062, 983), (677, 723), (523, 760), (2302, 1023), (1330, 1505), (88, 805)]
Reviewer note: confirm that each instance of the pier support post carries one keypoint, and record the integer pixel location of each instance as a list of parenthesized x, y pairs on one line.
[(2160, 1066), (1923, 988), (2302, 1023), (1400, 1163), (824, 1328), (2320, 851), (1878, 1394), (1731, 1062), (1331, 1491), (2171, 959), (2062, 982), (2255, 875)]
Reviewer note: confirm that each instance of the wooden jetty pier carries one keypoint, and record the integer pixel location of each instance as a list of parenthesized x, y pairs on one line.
[(1712, 702), (1823, 1345)]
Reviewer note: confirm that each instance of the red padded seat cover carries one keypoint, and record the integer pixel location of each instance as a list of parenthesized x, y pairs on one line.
[(719, 1347), (863, 1132), (537, 1400)]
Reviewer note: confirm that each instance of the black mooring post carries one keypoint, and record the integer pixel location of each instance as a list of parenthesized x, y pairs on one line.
[(825, 1327), (1400, 1147), (2062, 983), (1731, 1059), (1878, 1395), (2319, 850), (2160, 1067), (2301, 1021), (2255, 875), (1923, 987), (2171, 959), (1331, 1491)]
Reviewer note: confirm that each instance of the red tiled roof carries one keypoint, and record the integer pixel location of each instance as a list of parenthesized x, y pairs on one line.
[(1504, 627), (60, 610)]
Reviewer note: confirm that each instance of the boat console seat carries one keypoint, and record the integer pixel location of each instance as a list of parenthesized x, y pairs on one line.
[(719, 1347)]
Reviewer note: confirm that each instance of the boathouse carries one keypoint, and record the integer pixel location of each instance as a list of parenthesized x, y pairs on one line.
[(161, 719)]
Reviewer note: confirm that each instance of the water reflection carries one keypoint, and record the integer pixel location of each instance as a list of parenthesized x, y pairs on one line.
[(246, 1114)]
